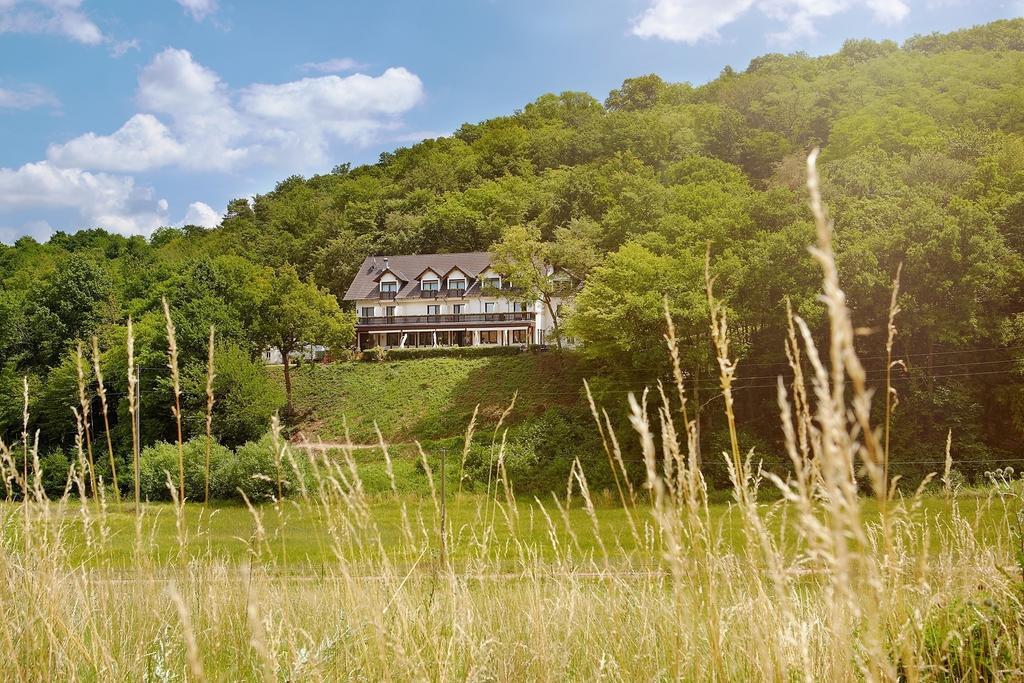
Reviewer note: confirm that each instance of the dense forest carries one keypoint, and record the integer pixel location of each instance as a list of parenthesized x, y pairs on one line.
[(923, 163)]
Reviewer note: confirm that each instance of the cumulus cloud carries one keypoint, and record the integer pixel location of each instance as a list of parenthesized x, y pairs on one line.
[(198, 9), (201, 214), (54, 17), (690, 21), (27, 97), (114, 202), (333, 66), (143, 142), (192, 119)]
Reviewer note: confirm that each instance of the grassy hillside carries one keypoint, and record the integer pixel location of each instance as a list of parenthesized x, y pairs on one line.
[(432, 398)]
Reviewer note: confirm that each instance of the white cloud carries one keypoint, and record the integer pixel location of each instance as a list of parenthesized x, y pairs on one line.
[(333, 66), (28, 97), (109, 201), (194, 120), (55, 17), (142, 143), (691, 21), (199, 107), (201, 214), (199, 9), (121, 47), (688, 21)]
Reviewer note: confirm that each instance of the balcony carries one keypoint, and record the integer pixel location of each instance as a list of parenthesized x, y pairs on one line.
[(410, 322), (487, 289), (387, 296)]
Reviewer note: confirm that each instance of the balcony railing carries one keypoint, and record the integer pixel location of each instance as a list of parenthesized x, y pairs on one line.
[(388, 295), (447, 319), (442, 293)]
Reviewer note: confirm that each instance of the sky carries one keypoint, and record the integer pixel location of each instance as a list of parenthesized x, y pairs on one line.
[(132, 115)]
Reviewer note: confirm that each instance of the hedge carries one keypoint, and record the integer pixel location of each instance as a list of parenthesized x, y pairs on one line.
[(441, 352)]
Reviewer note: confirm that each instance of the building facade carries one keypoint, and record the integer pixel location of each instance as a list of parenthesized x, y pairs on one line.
[(442, 300)]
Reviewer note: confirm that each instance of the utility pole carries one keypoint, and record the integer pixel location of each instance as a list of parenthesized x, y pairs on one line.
[(444, 513)]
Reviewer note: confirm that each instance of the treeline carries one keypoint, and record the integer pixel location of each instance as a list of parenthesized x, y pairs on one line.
[(923, 159)]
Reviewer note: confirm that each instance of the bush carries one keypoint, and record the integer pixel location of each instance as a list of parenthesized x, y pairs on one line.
[(440, 352), (54, 466), (539, 454), (245, 397), (253, 471), (161, 459)]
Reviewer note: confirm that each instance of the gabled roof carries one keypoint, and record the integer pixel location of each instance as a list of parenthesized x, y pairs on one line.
[(364, 286), (456, 267), (425, 271), (388, 269)]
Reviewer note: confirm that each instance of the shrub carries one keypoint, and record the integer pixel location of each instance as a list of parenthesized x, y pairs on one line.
[(54, 466), (245, 397), (253, 471), (539, 454), (161, 459)]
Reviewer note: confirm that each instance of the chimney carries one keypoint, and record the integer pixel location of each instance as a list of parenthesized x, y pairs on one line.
[(385, 263)]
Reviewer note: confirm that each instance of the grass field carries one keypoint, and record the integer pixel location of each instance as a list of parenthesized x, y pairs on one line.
[(298, 542)]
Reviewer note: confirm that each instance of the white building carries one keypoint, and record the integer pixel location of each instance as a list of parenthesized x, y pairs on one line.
[(442, 300)]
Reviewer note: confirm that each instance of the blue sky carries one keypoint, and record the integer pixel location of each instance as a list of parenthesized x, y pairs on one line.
[(132, 115)]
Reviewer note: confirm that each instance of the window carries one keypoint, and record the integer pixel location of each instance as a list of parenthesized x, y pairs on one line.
[(458, 284), (488, 336), (430, 285), (367, 311), (394, 339), (519, 306), (433, 309), (459, 309), (390, 311), (490, 307), (494, 282), (519, 337), (389, 286)]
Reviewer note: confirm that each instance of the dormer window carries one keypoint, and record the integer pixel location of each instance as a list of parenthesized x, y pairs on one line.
[(389, 286), (492, 282), (430, 285), (457, 284)]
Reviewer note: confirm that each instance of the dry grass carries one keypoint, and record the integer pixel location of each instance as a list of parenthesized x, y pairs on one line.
[(815, 589)]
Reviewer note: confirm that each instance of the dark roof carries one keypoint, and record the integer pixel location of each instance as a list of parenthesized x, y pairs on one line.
[(390, 269), (364, 286)]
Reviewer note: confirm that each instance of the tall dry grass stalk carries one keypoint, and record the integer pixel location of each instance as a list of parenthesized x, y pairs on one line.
[(133, 413), (102, 391), (172, 364), (210, 375), (83, 403)]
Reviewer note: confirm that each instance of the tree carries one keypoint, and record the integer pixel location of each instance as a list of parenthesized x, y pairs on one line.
[(298, 313), (246, 396), (545, 270)]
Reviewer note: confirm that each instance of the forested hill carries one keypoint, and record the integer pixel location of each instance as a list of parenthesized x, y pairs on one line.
[(923, 158)]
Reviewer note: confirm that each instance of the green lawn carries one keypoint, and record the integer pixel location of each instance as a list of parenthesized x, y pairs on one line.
[(431, 398), (298, 536)]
